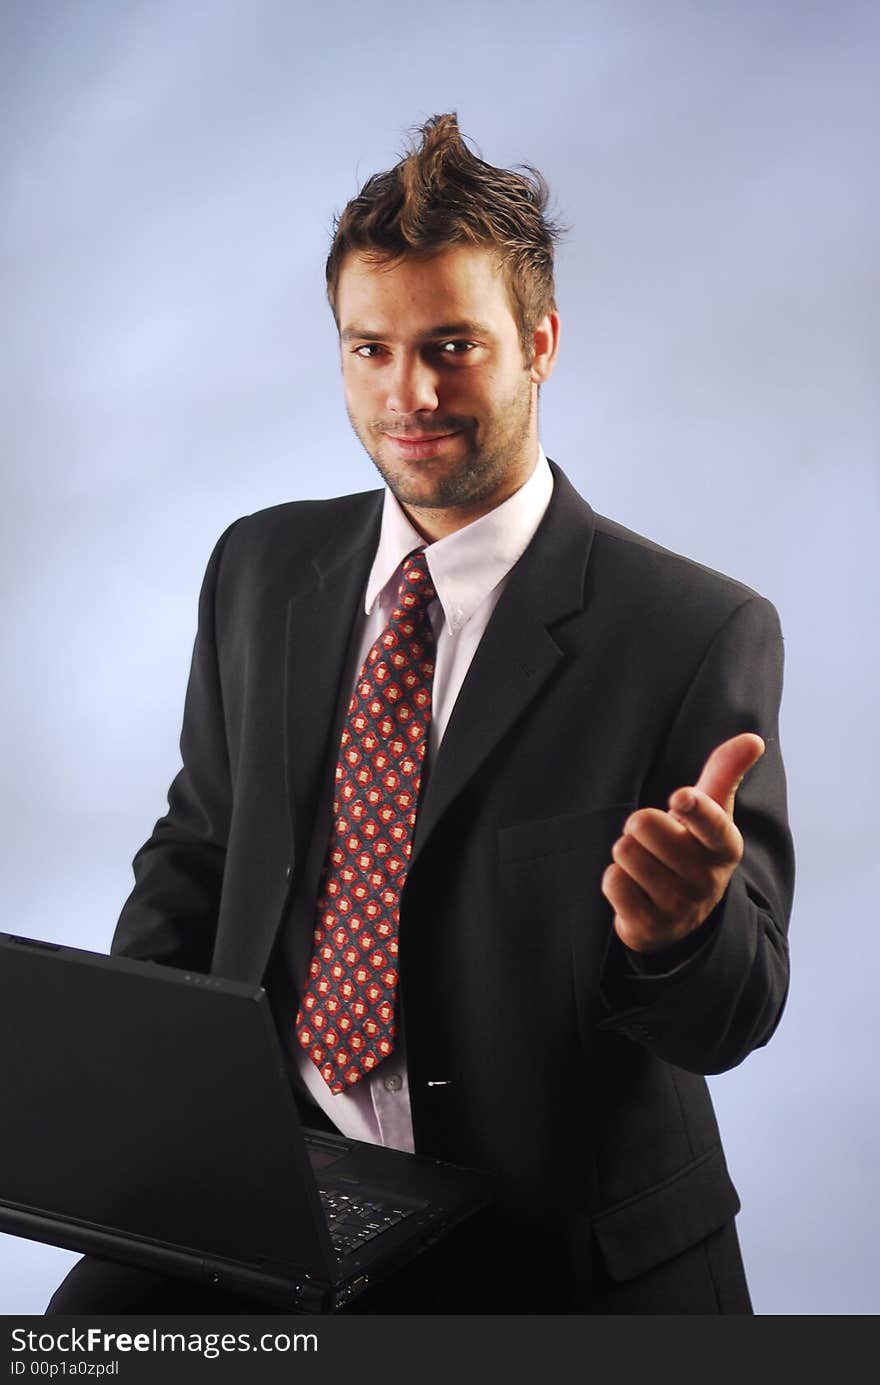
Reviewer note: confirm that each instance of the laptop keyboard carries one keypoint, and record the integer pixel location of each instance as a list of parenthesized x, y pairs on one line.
[(354, 1219)]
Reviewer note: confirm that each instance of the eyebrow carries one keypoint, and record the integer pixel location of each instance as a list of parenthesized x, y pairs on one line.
[(465, 328)]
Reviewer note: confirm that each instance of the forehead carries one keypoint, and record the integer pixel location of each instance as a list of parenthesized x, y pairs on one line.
[(460, 283)]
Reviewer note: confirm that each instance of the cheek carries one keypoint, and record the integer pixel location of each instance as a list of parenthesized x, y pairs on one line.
[(357, 393)]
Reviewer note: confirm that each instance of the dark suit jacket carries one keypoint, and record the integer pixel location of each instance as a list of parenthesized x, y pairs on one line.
[(609, 670)]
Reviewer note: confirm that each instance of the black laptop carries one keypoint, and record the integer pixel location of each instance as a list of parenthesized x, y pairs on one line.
[(148, 1118)]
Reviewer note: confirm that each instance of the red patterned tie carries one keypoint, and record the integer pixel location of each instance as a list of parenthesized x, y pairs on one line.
[(346, 1020)]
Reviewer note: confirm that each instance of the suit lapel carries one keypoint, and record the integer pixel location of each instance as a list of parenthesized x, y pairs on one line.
[(517, 654), (320, 619)]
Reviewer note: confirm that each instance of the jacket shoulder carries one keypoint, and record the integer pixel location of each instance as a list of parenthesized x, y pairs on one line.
[(660, 579), (310, 522), (282, 542), (637, 575)]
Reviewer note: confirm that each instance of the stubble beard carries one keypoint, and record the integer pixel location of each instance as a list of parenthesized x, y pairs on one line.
[(475, 475)]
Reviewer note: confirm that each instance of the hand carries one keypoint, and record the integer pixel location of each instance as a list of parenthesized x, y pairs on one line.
[(671, 868)]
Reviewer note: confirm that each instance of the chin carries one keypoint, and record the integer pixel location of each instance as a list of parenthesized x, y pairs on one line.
[(413, 485), (427, 499)]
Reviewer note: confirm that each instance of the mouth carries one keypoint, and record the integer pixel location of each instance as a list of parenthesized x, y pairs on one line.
[(421, 444)]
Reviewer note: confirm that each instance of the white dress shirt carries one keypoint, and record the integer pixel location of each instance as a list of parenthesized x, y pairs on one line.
[(469, 570)]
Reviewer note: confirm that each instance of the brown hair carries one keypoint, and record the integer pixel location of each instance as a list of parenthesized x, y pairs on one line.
[(440, 195)]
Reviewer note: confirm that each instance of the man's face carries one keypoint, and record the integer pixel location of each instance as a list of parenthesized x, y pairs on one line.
[(435, 383)]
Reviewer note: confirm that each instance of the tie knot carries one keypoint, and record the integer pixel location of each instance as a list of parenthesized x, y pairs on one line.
[(416, 588)]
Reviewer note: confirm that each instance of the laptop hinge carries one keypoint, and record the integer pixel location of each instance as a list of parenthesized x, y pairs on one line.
[(300, 1294)]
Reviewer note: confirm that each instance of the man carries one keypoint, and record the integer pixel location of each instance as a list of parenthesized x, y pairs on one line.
[(461, 783)]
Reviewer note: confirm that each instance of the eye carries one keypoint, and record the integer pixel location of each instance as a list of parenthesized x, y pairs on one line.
[(371, 350)]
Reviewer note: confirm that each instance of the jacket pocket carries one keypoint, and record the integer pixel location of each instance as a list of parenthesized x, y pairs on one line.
[(646, 1230)]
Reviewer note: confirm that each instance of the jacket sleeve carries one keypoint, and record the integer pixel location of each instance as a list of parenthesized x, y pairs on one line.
[(704, 1006), (171, 914)]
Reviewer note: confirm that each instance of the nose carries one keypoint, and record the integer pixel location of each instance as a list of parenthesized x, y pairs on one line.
[(412, 386)]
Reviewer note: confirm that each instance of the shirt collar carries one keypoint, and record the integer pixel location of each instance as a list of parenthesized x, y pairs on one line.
[(467, 565)]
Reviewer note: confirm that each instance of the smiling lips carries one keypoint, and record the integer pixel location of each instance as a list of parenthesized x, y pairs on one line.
[(420, 444)]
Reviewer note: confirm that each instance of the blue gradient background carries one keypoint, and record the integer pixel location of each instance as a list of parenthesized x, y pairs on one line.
[(169, 174)]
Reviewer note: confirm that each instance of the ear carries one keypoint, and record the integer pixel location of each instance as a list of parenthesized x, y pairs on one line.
[(545, 344)]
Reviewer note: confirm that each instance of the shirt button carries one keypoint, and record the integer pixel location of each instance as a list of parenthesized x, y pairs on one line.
[(393, 1082)]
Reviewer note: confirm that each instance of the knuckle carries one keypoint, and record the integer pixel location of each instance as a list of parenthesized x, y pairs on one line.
[(629, 849), (637, 821)]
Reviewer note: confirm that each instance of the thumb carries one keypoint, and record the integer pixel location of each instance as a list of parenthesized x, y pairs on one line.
[(727, 766)]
